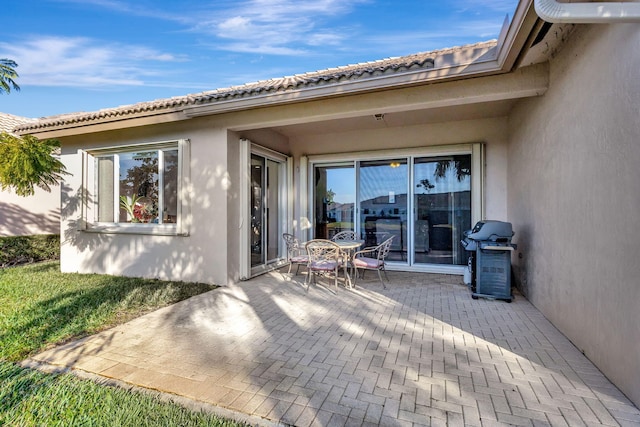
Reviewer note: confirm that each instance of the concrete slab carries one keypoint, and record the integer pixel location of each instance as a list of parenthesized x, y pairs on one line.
[(421, 352)]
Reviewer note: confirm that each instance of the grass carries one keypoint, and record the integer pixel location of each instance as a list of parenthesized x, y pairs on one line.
[(40, 308), (32, 398)]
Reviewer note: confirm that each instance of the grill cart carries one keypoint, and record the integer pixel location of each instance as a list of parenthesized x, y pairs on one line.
[(490, 247)]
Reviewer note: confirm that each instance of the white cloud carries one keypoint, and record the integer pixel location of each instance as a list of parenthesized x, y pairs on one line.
[(325, 39), (506, 6), (235, 25), (300, 27), (82, 62), (138, 9), (278, 27), (263, 49)]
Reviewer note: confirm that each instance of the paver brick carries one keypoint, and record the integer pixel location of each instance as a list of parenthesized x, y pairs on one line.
[(533, 415), (471, 416), (514, 419), (572, 417), (292, 414), (335, 408), (421, 352), (265, 407), (373, 413), (253, 404), (373, 398), (487, 412)]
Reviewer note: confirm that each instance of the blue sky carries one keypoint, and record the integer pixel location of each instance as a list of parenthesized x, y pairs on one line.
[(86, 55)]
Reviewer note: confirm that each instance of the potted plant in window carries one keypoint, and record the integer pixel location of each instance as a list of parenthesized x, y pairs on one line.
[(139, 209)]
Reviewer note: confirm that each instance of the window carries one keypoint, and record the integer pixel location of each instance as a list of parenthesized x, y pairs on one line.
[(137, 188)]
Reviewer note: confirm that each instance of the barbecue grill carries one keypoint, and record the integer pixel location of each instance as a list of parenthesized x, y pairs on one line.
[(490, 247)]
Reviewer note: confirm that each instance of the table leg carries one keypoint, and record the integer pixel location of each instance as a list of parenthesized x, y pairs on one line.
[(345, 266)]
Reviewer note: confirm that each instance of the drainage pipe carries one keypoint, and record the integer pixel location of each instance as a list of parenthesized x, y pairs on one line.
[(587, 13)]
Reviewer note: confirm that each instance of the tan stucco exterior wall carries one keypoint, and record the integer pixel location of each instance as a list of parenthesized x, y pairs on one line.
[(573, 164), (211, 251), (201, 256), (37, 214)]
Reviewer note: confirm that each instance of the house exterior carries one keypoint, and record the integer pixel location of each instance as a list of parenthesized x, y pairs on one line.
[(539, 128), (22, 216)]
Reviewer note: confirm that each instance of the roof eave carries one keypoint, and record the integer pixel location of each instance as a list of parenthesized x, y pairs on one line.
[(340, 89), (513, 39), (503, 58)]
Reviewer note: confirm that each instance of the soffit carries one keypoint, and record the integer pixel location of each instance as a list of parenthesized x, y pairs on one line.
[(400, 119)]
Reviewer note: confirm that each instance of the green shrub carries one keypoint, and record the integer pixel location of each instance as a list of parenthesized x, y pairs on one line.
[(16, 250)]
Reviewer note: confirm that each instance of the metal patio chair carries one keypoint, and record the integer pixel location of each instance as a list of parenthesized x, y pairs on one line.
[(325, 257), (344, 235), (372, 258), (296, 252)]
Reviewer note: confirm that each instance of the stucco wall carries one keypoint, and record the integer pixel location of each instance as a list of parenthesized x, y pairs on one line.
[(211, 251), (37, 214), (201, 256), (574, 171)]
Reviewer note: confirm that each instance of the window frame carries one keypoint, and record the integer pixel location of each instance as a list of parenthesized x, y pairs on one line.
[(89, 221), (475, 149)]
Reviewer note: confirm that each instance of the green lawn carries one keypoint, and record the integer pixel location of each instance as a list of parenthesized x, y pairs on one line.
[(41, 307)]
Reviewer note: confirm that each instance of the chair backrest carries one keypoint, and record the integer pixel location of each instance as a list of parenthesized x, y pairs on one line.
[(385, 247), (292, 243), (344, 235), (322, 250)]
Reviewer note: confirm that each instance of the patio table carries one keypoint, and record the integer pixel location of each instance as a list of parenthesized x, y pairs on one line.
[(349, 247)]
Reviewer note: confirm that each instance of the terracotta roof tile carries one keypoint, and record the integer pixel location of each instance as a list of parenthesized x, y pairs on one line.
[(8, 122)]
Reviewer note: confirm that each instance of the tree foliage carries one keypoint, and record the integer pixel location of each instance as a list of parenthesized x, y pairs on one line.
[(7, 75), (26, 163), (461, 165)]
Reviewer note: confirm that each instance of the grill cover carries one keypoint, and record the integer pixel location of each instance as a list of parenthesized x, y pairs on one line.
[(491, 230)]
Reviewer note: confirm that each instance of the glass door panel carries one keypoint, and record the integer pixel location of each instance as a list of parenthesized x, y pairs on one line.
[(272, 231), (442, 206), (334, 201), (265, 215), (257, 210), (382, 191)]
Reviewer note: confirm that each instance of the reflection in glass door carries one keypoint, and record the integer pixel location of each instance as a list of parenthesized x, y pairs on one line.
[(335, 197), (382, 192), (423, 202), (265, 202), (442, 206)]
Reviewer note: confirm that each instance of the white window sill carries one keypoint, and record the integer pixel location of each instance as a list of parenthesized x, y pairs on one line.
[(146, 229)]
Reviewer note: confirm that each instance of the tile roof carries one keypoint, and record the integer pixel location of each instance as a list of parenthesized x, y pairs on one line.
[(8, 122), (386, 67)]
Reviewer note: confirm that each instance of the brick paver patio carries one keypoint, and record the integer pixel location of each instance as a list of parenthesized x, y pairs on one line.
[(420, 353)]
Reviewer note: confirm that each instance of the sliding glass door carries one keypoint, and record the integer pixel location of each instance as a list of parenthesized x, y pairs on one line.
[(442, 209), (265, 213), (382, 191), (423, 201)]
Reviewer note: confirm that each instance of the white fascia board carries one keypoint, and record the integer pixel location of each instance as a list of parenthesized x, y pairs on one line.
[(108, 123), (373, 84), (525, 82)]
